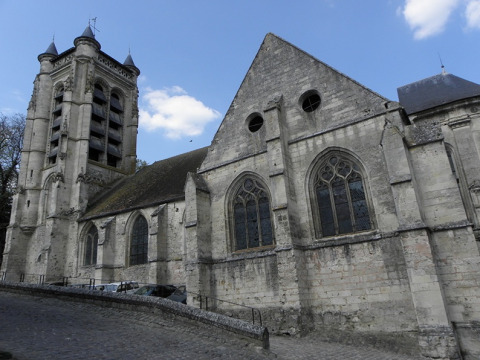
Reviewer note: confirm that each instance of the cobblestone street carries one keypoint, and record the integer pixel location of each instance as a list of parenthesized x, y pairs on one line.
[(35, 328)]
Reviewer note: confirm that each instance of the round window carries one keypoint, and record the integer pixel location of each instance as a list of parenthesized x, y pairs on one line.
[(311, 101), (255, 124)]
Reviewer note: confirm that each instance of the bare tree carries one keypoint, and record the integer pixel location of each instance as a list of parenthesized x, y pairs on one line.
[(140, 164), (11, 141)]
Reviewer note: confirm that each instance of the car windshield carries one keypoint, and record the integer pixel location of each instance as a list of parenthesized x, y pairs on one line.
[(111, 287), (144, 290)]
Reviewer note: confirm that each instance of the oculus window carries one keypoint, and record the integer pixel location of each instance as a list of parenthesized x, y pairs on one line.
[(310, 101), (255, 123)]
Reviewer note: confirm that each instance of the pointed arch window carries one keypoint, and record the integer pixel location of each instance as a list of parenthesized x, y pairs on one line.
[(96, 147), (55, 127), (340, 200), (114, 147), (251, 216), (91, 244), (106, 127), (139, 242)]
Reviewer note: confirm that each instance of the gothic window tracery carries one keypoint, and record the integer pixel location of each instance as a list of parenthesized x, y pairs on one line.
[(340, 199), (91, 244), (252, 223), (139, 242)]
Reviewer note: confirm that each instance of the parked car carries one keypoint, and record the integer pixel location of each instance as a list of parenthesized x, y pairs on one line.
[(81, 286), (179, 295), (101, 287), (162, 291), (124, 286)]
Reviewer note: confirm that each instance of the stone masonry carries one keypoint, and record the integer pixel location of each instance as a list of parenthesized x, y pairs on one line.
[(330, 208)]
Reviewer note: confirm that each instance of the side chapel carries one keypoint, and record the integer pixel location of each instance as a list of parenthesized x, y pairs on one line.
[(324, 204)]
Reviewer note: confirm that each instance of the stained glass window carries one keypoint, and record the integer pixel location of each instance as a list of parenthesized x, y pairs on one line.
[(139, 242), (252, 219), (91, 243), (340, 197)]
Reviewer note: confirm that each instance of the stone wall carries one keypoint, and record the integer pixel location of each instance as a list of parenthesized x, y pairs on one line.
[(165, 248), (255, 334)]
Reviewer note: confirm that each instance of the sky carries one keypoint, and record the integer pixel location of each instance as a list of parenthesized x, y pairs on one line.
[(194, 54)]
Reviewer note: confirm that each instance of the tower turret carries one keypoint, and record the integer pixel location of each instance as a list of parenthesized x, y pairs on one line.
[(80, 136)]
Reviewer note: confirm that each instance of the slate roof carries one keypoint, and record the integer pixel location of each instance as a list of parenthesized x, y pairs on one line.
[(159, 183), (52, 49), (129, 61), (88, 32), (436, 90)]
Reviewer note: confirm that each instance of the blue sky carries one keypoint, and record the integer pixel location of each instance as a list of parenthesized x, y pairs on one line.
[(193, 55)]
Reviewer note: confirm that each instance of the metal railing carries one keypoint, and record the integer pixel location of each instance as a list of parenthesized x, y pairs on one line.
[(203, 304), (33, 279)]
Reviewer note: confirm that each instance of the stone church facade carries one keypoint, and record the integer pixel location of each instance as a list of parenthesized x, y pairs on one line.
[(325, 205)]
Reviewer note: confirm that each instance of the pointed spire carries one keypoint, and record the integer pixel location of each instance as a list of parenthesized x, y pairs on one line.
[(50, 53), (129, 62), (88, 32), (52, 49)]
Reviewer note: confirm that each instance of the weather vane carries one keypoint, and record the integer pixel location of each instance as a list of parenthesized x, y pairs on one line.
[(441, 63), (94, 24)]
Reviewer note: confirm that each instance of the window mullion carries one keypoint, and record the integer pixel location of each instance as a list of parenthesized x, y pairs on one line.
[(350, 206), (259, 225), (245, 221), (332, 205)]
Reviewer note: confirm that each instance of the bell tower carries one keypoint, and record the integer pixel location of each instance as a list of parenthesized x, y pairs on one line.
[(80, 136)]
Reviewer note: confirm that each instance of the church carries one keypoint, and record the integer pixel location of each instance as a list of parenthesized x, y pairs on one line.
[(328, 207)]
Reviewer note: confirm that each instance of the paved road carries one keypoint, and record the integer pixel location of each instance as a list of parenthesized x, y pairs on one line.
[(35, 328)]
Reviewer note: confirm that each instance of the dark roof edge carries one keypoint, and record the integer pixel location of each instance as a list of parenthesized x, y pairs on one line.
[(437, 90), (133, 208), (435, 109)]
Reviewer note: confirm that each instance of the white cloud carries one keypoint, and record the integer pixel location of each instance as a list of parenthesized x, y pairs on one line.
[(175, 112), (428, 17), (472, 13), (142, 79)]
